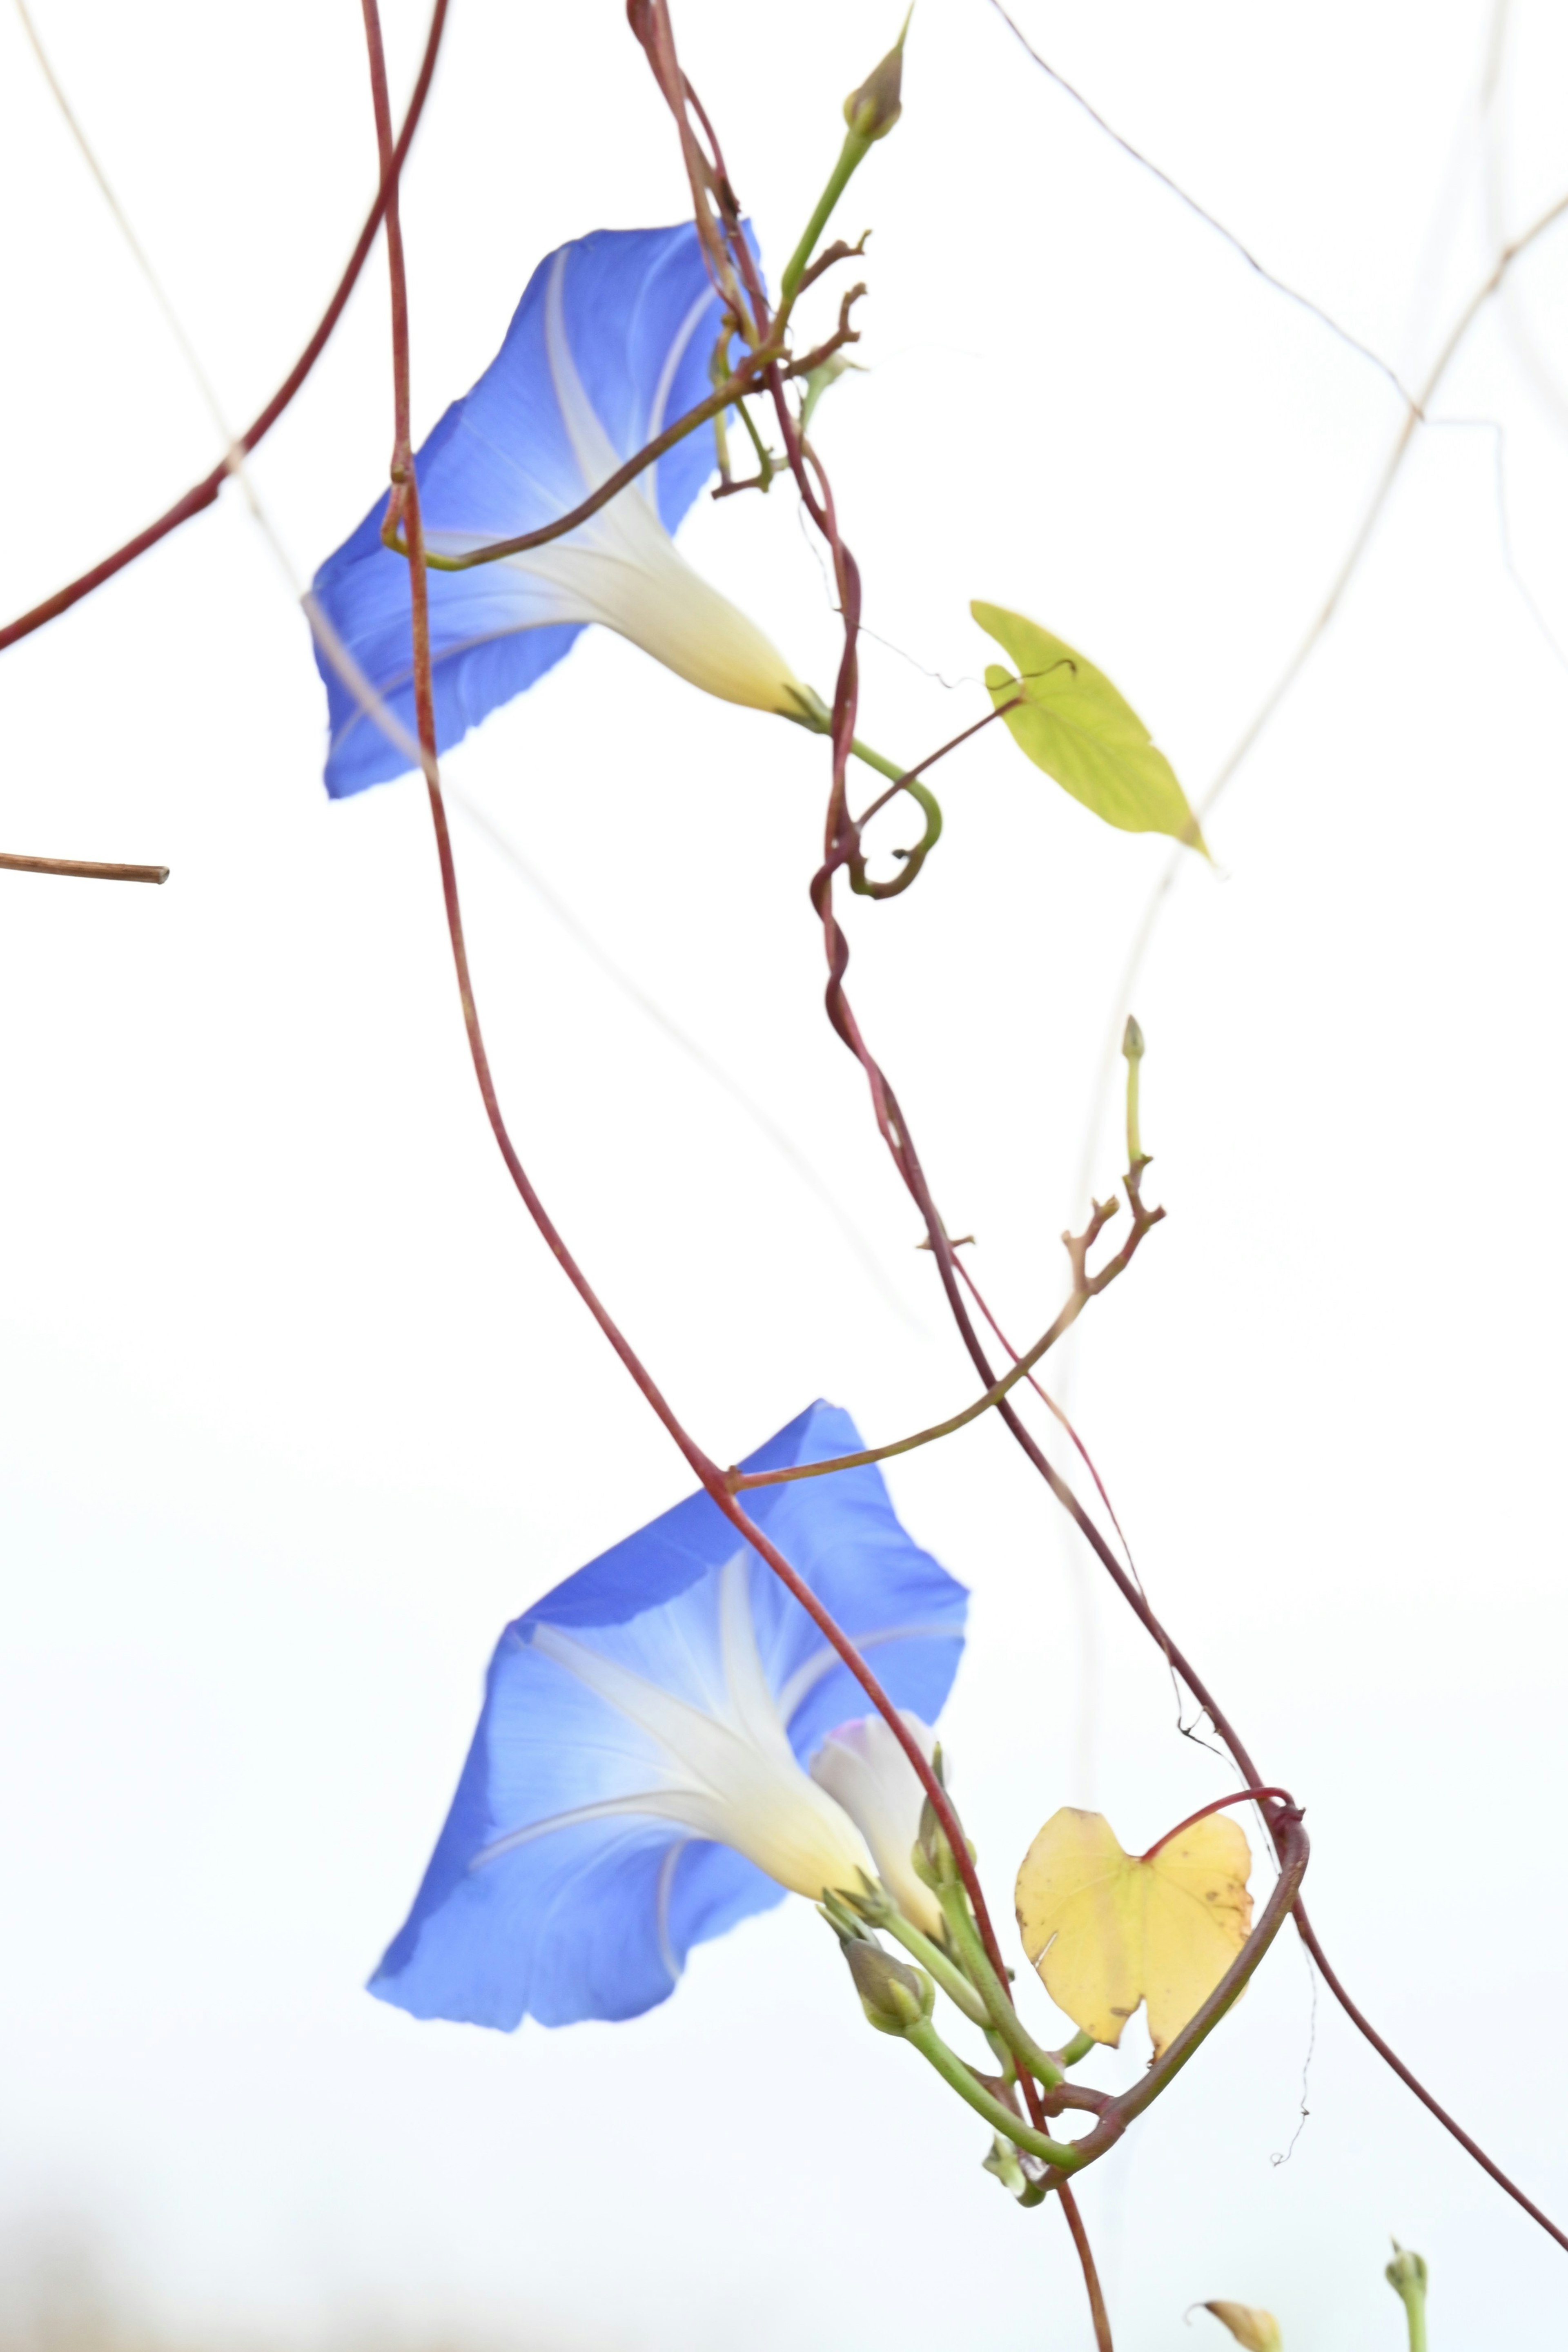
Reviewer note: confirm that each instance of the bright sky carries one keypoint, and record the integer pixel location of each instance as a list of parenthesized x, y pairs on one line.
[(296, 1411)]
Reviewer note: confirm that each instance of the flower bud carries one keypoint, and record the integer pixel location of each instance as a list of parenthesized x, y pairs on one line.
[(1257, 2331), (872, 111), (933, 1858), (894, 1997), (1133, 1041), (1003, 2161), (1406, 2274), (1406, 2271)]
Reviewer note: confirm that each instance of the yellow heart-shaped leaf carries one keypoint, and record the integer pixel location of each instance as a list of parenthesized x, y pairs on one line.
[(1068, 717), (1107, 1929)]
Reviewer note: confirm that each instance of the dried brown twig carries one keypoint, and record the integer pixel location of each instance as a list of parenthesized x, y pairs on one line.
[(1085, 1287), (89, 869)]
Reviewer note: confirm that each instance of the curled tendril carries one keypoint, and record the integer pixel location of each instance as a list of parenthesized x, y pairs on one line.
[(913, 859)]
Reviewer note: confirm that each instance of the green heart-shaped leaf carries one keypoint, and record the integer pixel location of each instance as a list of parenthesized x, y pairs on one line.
[(1069, 720)]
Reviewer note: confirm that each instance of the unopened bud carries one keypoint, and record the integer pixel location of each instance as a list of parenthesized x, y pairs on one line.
[(894, 1997), (1133, 1047), (933, 1856), (1003, 2160), (872, 111), (1406, 2274), (1257, 2331)]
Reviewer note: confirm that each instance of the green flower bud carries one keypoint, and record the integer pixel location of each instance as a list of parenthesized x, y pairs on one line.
[(1406, 2273), (872, 111), (933, 1858), (1256, 2331), (1003, 2160), (894, 1997), (1133, 1044)]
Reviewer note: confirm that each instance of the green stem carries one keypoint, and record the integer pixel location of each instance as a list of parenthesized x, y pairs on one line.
[(851, 155), (765, 466), (1003, 2055), (1414, 2301), (1406, 2274), (957, 2075), (924, 799), (1078, 2047), (813, 713), (1003, 2016), (937, 1964), (888, 767)]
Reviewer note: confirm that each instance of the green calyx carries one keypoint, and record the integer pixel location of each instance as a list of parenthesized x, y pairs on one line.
[(895, 1999)]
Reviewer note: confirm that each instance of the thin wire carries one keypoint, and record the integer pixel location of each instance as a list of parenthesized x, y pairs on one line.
[(1284, 2155), (1292, 293), (636, 994), (951, 684)]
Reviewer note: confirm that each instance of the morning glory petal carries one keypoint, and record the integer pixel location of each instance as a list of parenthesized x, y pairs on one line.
[(613, 339), (864, 1765), (643, 327), (636, 1784)]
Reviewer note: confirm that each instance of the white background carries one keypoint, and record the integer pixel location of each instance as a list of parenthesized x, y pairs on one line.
[(297, 1410)]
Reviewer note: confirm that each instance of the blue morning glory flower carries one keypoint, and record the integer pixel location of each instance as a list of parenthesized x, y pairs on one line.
[(638, 1780), (611, 342)]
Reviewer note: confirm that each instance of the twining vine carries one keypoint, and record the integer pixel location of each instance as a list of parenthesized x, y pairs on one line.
[(766, 367)]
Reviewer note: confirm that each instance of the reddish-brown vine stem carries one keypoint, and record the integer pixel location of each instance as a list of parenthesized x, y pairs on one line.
[(909, 1166), (1097, 2310), (404, 507), (1046, 1399), (817, 495), (649, 21), (909, 776), (204, 492), (1219, 1805)]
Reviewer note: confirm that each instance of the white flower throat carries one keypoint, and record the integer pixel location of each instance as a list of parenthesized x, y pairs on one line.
[(726, 1770), (623, 569)]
